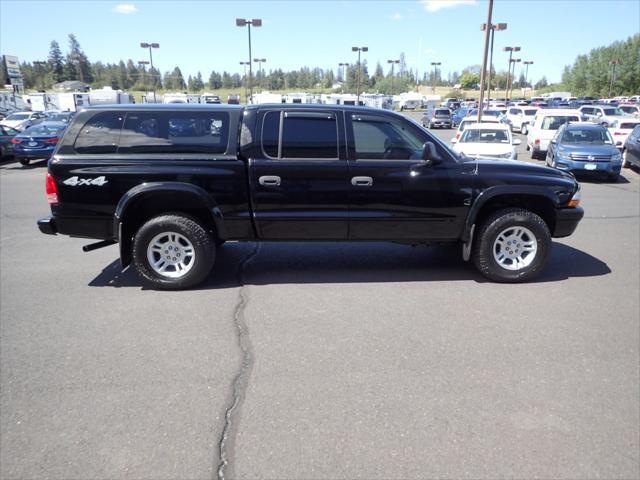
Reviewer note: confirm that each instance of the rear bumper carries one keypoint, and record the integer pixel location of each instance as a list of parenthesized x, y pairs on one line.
[(47, 226), (567, 220)]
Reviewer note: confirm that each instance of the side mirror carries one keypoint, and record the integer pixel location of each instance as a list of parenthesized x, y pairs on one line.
[(516, 141), (553, 140), (430, 154), (454, 140), (618, 144)]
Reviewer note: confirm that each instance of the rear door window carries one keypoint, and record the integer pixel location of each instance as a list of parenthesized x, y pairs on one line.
[(175, 132), (100, 134)]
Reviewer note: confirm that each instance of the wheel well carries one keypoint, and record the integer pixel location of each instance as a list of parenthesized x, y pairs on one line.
[(538, 204), (149, 206)]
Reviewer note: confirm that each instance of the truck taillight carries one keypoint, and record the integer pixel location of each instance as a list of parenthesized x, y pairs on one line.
[(537, 141), (52, 190)]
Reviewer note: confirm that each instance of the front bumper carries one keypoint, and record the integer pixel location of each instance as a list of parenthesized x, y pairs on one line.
[(47, 226), (588, 167), (567, 220)]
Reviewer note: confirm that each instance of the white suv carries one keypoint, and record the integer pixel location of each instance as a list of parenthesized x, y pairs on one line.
[(545, 124), (521, 117), (605, 115)]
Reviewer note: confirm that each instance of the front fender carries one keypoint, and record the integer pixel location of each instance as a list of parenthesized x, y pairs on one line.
[(492, 192)]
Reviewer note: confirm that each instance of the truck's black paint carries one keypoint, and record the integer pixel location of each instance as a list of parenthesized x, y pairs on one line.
[(410, 200)]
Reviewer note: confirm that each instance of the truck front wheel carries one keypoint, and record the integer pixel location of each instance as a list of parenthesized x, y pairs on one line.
[(512, 246), (173, 252)]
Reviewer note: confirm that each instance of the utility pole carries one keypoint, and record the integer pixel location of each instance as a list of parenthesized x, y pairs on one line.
[(613, 74), (256, 22), (526, 75), (244, 64), (494, 27), (150, 46)]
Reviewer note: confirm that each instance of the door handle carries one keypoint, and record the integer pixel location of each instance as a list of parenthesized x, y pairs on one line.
[(362, 181), (270, 181)]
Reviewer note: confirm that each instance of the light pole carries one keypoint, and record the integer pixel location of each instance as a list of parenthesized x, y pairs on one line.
[(494, 27), (526, 75), (256, 22), (359, 49), (433, 80), (510, 50), (613, 74), (260, 61), (143, 63), (244, 64), (483, 71), (514, 61), (40, 63), (150, 46), (393, 63)]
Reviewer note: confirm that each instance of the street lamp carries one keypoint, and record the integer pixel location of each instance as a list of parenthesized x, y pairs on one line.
[(393, 63), (613, 74), (244, 64), (510, 50), (143, 63), (256, 22), (260, 61), (494, 27), (526, 75), (40, 64), (514, 61), (150, 46), (435, 66), (359, 49)]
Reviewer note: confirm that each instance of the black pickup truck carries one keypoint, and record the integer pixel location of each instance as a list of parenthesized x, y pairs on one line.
[(170, 183)]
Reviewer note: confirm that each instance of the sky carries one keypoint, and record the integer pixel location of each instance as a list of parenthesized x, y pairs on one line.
[(202, 35)]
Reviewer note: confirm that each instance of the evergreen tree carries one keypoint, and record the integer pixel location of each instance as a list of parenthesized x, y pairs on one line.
[(77, 66), (56, 62)]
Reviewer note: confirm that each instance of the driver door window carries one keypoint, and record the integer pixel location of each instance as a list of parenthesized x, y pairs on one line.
[(378, 138)]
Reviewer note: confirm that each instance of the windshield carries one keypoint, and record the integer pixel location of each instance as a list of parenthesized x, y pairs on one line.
[(60, 117), (612, 111), (44, 130), (555, 122), (586, 136), (476, 135), (18, 116), (629, 126), (530, 112)]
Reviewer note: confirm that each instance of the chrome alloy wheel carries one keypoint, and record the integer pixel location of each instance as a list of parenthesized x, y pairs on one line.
[(515, 248), (170, 254)]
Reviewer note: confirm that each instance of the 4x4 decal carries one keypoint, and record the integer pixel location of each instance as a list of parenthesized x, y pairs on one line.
[(78, 182)]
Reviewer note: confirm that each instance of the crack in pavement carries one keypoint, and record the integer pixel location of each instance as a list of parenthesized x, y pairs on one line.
[(241, 380)]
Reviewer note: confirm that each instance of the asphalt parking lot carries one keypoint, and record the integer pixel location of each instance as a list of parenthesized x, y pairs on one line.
[(320, 360)]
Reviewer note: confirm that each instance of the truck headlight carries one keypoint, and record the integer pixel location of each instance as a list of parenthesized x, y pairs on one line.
[(575, 200), (616, 157)]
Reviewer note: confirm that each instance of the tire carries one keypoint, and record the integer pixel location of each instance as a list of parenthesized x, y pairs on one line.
[(175, 233), (625, 162), (613, 177), (523, 129), (506, 224), (24, 162)]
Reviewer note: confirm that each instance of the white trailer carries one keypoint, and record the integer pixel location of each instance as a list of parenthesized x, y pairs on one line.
[(174, 98), (377, 100), (266, 97), (66, 102), (209, 98), (10, 102), (299, 97), (410, 101), (109, 96)]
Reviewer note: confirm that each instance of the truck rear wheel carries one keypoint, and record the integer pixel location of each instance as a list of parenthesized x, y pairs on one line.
[(173, 252), (512, 246)]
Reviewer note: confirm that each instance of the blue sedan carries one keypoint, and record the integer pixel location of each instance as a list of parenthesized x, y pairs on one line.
[(38, 141)]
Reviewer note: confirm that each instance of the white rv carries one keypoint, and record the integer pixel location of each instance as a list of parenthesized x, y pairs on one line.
[(209, 98), (109, 96), (298, 98), (377, 100)]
